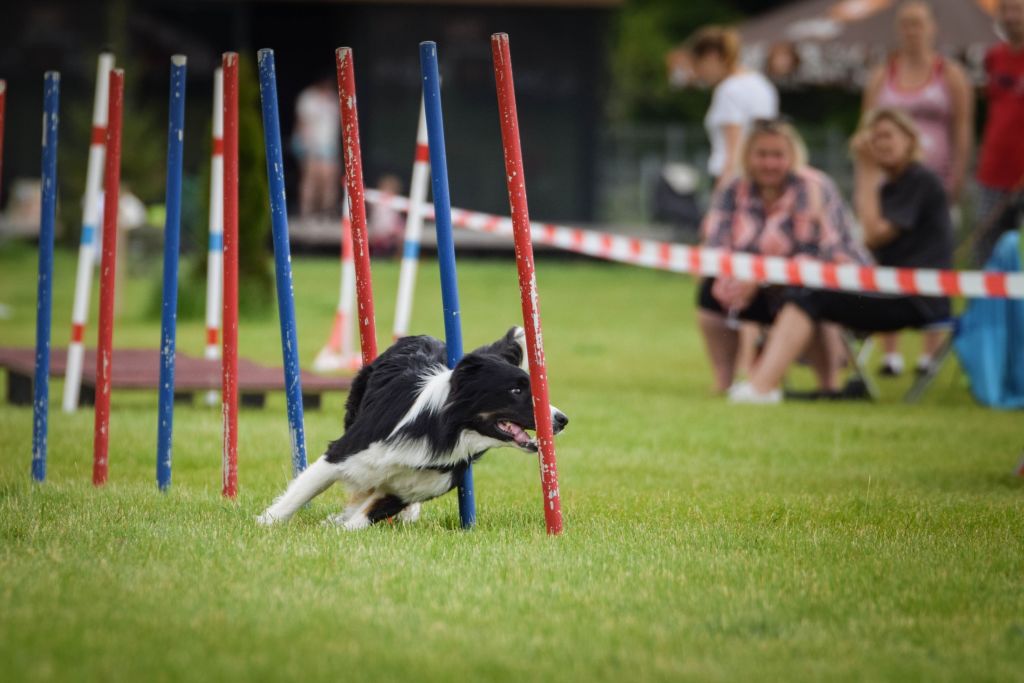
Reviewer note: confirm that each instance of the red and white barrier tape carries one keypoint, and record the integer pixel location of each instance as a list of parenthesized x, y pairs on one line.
[(678, 258)]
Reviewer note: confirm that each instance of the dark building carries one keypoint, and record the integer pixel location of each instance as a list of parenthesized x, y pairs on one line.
[(558, 51)]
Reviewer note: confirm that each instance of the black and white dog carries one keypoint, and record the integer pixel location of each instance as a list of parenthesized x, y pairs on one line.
[(412, 426)]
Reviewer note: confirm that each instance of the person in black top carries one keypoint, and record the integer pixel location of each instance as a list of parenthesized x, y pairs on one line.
[(904, 212)]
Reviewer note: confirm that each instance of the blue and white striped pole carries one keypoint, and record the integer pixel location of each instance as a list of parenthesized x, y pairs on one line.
[(282, 257), (445, 243), (44, 299), (172, 241)]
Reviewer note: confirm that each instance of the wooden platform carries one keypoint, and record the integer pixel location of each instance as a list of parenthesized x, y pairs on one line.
[(139, 369)]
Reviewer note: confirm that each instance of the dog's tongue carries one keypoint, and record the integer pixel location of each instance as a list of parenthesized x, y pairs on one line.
[(518, 433)]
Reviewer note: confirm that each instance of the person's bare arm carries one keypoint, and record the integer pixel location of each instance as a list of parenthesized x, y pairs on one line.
[(962, 94), (867, 203), (871, 89), (733, 134)]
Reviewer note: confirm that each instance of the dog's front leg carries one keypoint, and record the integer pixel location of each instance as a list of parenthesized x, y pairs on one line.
[(313, 481)]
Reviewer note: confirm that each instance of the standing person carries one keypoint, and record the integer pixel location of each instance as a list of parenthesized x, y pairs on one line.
[(740, 96), (779, 207), (905, 215), (935, 93), (315, 142), (1001, 163)]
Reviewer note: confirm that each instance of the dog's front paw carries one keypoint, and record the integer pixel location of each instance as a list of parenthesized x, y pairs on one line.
[(410, 515), (267, 519)]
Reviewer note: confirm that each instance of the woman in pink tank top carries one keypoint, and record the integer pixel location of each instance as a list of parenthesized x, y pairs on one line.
[(933, 91)]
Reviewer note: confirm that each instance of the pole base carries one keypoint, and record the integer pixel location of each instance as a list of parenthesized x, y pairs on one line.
[(329, 360)]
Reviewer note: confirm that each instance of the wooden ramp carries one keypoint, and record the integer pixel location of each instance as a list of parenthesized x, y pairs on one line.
[(139, 369)]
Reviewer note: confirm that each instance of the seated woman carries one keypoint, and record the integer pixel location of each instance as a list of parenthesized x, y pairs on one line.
[(905, 215), (781, 207)]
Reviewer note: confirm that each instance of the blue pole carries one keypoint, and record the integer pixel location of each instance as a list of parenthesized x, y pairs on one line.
[(445, 244), (44, 298), (282, 257), (172, 232)]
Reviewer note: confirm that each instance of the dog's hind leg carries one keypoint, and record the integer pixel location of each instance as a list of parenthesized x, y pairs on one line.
[(410, 514), (313, 481)]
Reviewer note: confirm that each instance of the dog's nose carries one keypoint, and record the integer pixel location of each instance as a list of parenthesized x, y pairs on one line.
[(560, 421)]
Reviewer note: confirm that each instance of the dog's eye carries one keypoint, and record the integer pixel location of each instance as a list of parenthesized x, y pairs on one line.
[(515, 390)]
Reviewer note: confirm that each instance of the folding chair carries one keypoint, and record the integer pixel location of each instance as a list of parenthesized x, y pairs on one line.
[(859, 346)]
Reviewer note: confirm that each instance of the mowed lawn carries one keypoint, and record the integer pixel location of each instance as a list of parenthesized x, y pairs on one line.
[(839, 541)]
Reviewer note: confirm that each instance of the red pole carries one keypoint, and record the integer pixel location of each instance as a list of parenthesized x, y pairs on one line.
[(104, 346), (229, 348), (354, 180), (527, 278)]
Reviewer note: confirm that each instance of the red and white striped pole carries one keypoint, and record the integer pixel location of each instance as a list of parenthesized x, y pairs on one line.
[(229, 357), (527, 278), (215, 249), (354, 181), (413, 229), (338, 353), (89, 241), (105, 343)]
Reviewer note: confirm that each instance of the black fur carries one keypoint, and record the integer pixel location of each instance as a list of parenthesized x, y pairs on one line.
[(486, 385)]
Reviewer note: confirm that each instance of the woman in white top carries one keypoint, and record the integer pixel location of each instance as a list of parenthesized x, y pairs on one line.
[(740, 97)]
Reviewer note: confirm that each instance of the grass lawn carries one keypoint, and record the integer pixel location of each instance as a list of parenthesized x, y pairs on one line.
[(703, 541)]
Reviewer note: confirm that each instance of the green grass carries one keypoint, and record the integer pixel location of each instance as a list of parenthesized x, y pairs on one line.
[(703, 541)]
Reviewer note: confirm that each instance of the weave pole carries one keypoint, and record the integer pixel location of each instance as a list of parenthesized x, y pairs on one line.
[(527, 278), (354, 182), (91, 216), (337, 353), (445, 243), (229, 337), (413, 229), (105, 343), (172, 247), (282, 257), (215, 244), (44, 297)]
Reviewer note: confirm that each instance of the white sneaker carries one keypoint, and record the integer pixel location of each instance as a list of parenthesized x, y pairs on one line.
[(744, 392)]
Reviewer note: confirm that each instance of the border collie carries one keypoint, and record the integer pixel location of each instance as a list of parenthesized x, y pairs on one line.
[(412, 427)]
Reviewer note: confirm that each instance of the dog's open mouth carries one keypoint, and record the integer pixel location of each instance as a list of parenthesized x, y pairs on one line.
[(518, 434)]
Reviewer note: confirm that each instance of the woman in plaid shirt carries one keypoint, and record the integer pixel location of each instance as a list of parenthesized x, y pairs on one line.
[(781, 207)]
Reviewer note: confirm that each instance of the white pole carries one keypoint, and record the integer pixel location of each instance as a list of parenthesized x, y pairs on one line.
[(88, 253), (215, 255), (413, 229), (338, 353)]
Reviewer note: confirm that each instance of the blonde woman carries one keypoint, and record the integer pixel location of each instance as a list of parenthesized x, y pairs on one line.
[(779, 207), (740, 96), (905, 217)]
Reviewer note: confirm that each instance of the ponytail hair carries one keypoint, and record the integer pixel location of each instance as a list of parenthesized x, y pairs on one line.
[(720, 40)]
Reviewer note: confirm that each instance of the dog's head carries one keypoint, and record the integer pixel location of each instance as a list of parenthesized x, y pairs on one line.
[(492, 389)]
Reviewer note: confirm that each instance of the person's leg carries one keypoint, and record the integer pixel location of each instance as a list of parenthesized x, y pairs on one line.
[(722, 344), (749, 333), (825, 352), (892, 363), (307, 188), (996, 213), (331, 187), (788, 338)]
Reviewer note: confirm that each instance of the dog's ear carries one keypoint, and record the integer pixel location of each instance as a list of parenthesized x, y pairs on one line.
[(467, 368), (509, 348)]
